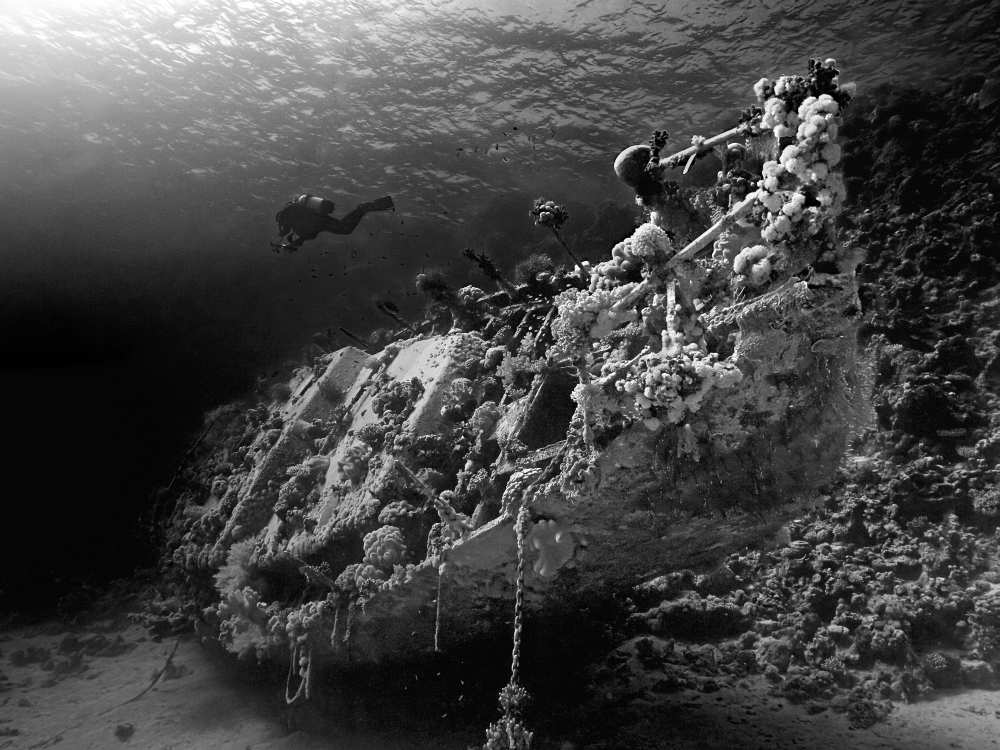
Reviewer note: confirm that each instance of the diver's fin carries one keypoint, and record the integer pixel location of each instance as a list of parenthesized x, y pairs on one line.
[(382, 204)]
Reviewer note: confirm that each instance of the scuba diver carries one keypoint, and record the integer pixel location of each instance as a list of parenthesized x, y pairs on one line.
[(305, 217)]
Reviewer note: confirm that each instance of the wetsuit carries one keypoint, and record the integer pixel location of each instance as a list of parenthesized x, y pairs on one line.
[(298, 223)]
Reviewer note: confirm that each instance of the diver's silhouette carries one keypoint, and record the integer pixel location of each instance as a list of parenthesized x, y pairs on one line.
[(305, 217)]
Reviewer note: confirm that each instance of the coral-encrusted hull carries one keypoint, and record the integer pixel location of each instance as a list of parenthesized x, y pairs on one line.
[(648, 504), (657, 411), (638, 509), (645, 505), (313, 402)]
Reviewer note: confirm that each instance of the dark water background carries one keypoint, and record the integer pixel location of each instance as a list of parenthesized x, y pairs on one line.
[(144, 149)]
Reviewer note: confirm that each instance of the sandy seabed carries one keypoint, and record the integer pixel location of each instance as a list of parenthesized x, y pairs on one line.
[(77, 689)]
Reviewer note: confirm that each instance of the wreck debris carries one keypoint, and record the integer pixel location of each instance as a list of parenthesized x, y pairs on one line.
[(389, 308), (354, 338), (157, 676), (488, 267)]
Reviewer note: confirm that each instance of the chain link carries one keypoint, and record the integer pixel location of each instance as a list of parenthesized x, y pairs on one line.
[(520, 530), (509, 733)]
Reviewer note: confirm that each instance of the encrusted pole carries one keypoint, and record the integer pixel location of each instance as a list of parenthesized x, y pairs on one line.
[(550, 214)]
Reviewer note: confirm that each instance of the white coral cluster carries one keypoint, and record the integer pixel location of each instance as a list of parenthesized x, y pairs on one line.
[(816, 152), (586, 316), (307, 618), (493, 357), (354, 464), (358, 580), (801, 191), (245, 602), (788, 216), (384, 547), (671, 384), (513, 494), (486, 415), (648, 247), (776, 116), (243, 622), (464, 346), (458, 396), (755, 264)]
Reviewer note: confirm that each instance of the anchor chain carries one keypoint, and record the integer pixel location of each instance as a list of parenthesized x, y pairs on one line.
[(509, 733)]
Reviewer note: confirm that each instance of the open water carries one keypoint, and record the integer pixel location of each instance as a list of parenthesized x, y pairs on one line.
[(145, 147)]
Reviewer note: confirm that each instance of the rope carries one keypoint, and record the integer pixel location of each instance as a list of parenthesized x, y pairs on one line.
[(437, 614), (347, 628), (584, 374), (336, 623), (303, 688)]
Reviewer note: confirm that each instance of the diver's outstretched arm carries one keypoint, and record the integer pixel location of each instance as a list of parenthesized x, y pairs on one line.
[(347, 224)]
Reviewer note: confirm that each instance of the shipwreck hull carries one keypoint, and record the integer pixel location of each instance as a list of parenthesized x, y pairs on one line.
[(640, 508), (475, 581), (656, 411)]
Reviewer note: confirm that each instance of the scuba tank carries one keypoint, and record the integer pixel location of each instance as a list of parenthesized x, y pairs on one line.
[(315, 204)]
